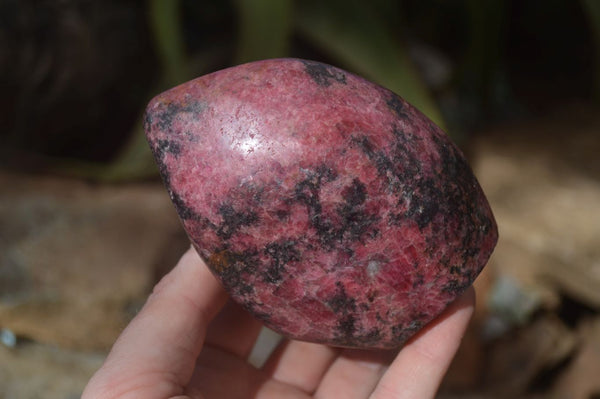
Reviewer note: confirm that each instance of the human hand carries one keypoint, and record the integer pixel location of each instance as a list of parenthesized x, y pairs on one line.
[(189, 342)]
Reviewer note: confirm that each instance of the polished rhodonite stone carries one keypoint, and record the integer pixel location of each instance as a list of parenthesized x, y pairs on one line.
[(328, 207)]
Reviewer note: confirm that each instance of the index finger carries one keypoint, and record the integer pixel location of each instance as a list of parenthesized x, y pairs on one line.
[(155, 355)]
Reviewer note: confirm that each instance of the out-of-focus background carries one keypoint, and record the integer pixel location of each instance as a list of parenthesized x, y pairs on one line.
[(86, 227)]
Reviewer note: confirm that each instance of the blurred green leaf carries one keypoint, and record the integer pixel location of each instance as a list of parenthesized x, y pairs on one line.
[(592, 11), (165, 22), (351, 32), (264, 29)]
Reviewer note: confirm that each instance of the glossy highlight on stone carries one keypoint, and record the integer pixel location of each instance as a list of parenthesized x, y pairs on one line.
[(329, 207)]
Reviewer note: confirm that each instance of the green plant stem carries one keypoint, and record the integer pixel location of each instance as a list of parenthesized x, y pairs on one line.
[(165, 21)]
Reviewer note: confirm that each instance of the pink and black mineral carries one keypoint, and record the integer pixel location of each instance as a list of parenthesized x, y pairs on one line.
[(328, 206)]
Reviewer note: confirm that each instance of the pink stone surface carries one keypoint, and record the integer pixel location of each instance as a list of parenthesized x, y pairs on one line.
[(328, 206)]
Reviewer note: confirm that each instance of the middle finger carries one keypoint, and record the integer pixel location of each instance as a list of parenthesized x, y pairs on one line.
[(300, 364), (354, 374)]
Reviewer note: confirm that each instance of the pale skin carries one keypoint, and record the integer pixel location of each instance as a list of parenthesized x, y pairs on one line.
[(190, 342)]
